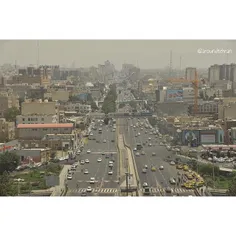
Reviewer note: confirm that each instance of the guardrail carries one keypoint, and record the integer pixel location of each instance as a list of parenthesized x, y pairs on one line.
[(134, 164)]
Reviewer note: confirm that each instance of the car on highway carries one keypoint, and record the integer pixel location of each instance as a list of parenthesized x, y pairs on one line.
[(86, 171), (139, 134), (110, 164), (149, 138), (91, 134), (76, 164), (88, 151), (98, 141), (104, 141), (73, 168), (146, 132), (69, 177), (153, 169), (137, 154), (82, 162), (149, 144), (161, 168), (112, 140), (168, 190), (87, 161), (146, 166), (110, 172), (172, 181), (172, 163), (153, 154), (99, 159), (136, 135), (135, 149), (103, 153), (78, 152), (89, 189), (144, 170), (142, 153), (145, 185), (84, 193), (92, 180)]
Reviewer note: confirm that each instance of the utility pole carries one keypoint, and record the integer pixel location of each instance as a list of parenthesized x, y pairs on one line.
[(37, 53)]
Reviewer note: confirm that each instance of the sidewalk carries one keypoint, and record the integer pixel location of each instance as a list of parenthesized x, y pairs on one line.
[(59, 189)]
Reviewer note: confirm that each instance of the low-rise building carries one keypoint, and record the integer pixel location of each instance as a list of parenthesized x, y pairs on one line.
[(38, 131), (33, 155), (8, 100)]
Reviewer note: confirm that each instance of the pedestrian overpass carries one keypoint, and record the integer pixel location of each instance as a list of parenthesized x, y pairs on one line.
[(121, 115), (127, 102)]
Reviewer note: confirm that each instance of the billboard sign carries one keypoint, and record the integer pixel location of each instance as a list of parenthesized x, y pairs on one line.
[(208, 138), (220, 136), (174, 95), (83, 96), (190, 137)]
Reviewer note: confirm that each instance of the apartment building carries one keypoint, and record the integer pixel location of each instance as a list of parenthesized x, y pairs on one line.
[(60, 95), (7, 130), (8, 100), (30, 107), (37, 119), (190, 73), (39, 131)]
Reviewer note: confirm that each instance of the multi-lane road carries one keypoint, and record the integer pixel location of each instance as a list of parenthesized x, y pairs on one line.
[(160, 179), (105, 185)]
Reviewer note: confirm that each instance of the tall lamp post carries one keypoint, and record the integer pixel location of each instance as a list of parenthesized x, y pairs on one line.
[(127, 183)]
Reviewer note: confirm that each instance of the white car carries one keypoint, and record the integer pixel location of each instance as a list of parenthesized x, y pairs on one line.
[(86, 171), (139, 134), (110, 172), (149, 144), (104, 141), (153, 154), (92, 180), (78, 152), (110, 164), (99, 160), (87, 161), (89, 189), (161, 168), (91, 134), (76, 164), (145, 166), (135, 149), (172, 181), (149, 138), (144, 170), (137, 154), (142, 153), (69, 177), (88, 151), (73, 168), (145, 185), (172, 163)]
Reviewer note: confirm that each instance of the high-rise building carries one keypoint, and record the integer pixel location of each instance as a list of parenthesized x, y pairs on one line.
[(214, 73), (190, 73)]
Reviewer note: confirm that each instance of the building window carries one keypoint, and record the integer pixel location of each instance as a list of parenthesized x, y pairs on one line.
[(23, 119), (45, 129), (42, 119), (28, 119)]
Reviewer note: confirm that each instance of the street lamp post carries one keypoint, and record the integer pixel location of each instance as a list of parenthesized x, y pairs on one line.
[(127, 183)]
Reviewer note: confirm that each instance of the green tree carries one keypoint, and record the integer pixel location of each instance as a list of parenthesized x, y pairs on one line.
[(232, 188), (11, 113), (8, 162), (7, 187)]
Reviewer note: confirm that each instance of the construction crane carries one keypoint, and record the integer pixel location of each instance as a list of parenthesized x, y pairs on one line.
[(195, 84)]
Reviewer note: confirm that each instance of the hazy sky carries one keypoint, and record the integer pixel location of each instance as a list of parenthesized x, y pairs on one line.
[(147, 54)]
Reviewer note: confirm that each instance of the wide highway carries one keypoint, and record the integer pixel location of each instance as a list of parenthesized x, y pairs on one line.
[(160, 179), (105, 185)]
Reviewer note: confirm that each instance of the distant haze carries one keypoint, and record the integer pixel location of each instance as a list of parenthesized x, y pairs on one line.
[(147, 54)]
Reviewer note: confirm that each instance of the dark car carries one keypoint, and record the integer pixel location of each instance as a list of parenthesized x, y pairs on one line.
[(168, 190), (83, 194), (112, 140)]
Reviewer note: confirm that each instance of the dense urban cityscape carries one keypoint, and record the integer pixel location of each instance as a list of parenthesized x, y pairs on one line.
[(100, 131)]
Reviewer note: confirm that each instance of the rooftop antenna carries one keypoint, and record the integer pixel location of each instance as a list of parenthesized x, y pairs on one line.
[(170, 69)]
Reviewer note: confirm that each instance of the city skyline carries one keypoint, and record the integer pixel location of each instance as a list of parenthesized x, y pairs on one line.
[(147, 54)]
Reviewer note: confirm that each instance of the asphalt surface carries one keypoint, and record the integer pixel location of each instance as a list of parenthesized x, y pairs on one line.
[(105, 185), (158, 180)]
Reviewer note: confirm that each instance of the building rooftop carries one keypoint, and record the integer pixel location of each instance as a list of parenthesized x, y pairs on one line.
[(57, 125)]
